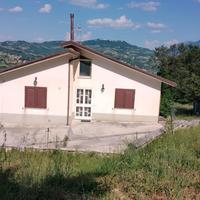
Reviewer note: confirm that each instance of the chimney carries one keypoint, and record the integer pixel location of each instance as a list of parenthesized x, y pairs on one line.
[(71, 26)]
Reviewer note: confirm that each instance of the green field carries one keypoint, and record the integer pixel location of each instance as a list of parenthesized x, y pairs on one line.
[(168, 168)]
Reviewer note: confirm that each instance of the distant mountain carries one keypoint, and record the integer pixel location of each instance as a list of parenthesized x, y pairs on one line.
[(17, 52)]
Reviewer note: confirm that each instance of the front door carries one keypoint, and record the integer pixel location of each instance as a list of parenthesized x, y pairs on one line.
[(83, 104)]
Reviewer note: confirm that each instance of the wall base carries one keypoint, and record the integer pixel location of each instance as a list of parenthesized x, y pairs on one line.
[(48, 121), (32, 120), (124, 118)]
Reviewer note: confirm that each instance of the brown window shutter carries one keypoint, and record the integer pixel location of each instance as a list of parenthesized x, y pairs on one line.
[(124, 98), (29, 97), (119, 98), (41, 97), (35, 97), (129, 98)]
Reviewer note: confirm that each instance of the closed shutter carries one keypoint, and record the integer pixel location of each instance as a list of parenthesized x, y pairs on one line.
[(41, 97), (124, 98), (35, 97), (129, 98), (119, 98), (29, 97)]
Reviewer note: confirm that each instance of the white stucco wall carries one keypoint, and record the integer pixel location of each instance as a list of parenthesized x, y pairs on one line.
[(51, 74), (112, 75)]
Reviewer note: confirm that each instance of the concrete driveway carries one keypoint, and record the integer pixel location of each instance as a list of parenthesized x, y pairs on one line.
[(102, 137)]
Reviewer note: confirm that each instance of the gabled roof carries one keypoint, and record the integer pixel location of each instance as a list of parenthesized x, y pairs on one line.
[(78, 46)]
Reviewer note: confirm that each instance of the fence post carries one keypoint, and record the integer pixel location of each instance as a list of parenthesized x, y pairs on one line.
[(4, 142), (23, 143), (56, 142), (5, 139), (136, 135), (48, 137)]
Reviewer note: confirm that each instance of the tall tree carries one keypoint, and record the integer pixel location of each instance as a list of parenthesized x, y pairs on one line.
[(181, 63)]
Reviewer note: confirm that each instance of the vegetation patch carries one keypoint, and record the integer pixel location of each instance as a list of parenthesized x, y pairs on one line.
[(168, 168)]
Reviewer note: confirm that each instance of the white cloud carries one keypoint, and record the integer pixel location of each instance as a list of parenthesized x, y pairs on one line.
[(121, 22), (146, 6), (6, 37), (170, 42), (156, 31), (80, 37), (1, 9), (15, 9), (39, 39), (89, 4), (156, 43), (152, 44), (46, 8), (85, 36), (156, 25)]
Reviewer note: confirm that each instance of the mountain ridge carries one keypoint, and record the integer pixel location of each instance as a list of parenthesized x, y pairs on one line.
[(17, 52)]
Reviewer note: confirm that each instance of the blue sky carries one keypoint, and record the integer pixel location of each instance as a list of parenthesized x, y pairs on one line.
[(140, 22)]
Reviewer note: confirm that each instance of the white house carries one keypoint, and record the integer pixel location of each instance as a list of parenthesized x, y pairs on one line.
[(78, 84)]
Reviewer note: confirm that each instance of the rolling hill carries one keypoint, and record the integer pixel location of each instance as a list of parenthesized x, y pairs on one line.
[(17, 52)]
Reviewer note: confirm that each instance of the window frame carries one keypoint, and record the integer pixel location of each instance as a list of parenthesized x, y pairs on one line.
[(132, 107), (36, 103), (84, 76)]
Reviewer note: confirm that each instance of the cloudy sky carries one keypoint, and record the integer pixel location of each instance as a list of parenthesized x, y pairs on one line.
[(145, 23)]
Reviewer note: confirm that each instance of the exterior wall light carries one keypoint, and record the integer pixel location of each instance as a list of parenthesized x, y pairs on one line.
[(102, 88), (35, 82)]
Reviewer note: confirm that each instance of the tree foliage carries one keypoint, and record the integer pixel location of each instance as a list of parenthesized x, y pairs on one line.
[(180, 63)]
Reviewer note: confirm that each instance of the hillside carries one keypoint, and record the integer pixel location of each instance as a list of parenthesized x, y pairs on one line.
[(123, 51), (17, 52)]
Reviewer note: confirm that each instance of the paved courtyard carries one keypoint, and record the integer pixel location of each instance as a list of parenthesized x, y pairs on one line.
[(102, 137)]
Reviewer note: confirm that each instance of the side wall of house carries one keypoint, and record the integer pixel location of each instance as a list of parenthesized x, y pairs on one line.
[(51, 74), (112, 75)]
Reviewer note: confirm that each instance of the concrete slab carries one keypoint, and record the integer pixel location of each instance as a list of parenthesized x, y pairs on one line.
[(102, 137), (100, 129)]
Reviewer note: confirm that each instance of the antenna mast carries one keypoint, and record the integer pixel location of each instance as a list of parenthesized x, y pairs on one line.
[(72, 26)]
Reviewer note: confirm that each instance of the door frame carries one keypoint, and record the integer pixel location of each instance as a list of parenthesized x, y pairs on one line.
[(83, 105)]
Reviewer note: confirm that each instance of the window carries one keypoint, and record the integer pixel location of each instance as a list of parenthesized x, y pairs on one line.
[(85, 67), (35, 97), (124, 98)]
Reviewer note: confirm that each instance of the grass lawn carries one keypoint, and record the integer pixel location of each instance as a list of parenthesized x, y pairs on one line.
[(168, 168)]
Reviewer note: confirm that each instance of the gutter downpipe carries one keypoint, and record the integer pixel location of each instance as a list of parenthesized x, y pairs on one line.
[(69, 88)]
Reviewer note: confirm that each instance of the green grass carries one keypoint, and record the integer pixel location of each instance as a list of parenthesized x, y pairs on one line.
[(168, 168)]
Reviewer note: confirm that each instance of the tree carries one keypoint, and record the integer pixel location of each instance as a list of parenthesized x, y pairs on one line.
[(181, 63)]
